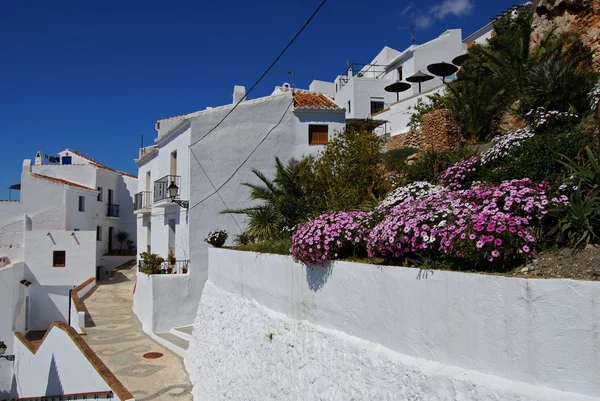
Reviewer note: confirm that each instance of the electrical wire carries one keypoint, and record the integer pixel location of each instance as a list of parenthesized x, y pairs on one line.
[(264, 73), (216, 190)]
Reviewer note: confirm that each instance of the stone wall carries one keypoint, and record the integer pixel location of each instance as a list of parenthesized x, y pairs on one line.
[(438, 131), (581, 17)]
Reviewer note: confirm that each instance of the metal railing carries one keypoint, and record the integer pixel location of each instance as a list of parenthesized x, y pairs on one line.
[(112, 210), (161, 186), (179, 267), (96, 395), (142, 200)]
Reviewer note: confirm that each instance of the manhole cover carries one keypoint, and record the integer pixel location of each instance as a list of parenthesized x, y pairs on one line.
[(152, 355)]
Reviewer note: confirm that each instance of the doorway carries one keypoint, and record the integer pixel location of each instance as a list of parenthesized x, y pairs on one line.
[(110, 239), (172, 231)]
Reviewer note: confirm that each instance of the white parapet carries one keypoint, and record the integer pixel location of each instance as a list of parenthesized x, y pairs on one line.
[(356, 331)]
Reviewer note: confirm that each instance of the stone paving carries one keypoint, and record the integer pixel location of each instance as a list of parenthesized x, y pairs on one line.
[(116, 336)]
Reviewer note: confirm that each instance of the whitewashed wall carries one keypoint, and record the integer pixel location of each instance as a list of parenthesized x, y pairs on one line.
[(77, 317), (161, 300), (222, 152), (11, 230), (12, 318), (58, 367), (541, 332), (360, 91), (50, 289)]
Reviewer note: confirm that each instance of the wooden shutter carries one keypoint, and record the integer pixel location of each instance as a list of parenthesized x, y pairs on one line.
[(318, 134)]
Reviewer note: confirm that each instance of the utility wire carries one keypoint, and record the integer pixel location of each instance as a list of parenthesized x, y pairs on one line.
[(264, 73), (216, 190)]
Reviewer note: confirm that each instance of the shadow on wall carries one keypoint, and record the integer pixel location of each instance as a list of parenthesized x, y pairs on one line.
[(317, 276), (54, 386)]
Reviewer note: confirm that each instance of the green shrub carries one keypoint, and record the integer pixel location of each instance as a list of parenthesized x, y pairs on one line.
[(557, 84), (536, 158), (431, 165), (279, 247), (434, 102), (396, 157)]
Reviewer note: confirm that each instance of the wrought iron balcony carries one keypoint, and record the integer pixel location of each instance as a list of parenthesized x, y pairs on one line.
[(112, 210), (142, 200), (166, 267), (161, 187)]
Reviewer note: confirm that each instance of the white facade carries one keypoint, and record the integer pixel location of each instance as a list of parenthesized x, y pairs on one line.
[(61, 366), (355, 331), (250, 138), (362, 92), (52, 232)]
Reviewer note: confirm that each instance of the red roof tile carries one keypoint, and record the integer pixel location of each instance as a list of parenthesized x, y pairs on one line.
[(64, 182), (100, 165), (308, 100)]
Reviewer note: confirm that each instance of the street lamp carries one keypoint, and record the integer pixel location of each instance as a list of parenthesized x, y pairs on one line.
[(174, 193), (3, 350)]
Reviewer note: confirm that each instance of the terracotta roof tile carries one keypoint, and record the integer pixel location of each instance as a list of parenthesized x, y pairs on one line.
[(100, 165), (64, 182), (311, 100)]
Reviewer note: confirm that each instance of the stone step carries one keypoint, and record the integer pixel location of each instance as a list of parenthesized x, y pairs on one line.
[(184, 332), (175, 343)]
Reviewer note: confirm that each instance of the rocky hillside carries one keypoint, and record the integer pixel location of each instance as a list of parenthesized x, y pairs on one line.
[(577, 16)]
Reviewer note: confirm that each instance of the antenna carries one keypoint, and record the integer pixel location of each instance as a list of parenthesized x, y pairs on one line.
[(292, 73), (411, 28)]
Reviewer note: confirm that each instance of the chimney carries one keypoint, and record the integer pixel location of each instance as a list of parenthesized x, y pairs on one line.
[(238, 93)]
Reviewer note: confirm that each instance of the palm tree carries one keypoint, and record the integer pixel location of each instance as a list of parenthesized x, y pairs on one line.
[(283, 202)]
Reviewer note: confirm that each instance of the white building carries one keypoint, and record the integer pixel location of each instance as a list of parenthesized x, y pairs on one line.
[(58, 235), (211, 166)]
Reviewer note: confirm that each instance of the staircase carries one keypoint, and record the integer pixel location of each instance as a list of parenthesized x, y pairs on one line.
[(177, 340)]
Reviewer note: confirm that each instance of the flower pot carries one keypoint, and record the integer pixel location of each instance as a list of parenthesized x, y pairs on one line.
[(169, 271), (184, 270), (172, 261)]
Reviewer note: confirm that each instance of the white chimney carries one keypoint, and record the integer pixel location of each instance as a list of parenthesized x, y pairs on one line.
[(238, 93)]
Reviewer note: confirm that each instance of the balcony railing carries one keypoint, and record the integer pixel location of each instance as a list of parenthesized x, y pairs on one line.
[(142, 200), (161, 186), (112, 210), (179, 267)]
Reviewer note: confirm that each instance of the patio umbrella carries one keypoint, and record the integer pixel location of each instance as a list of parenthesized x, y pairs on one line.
[(442, 69), (459, 60), (419, 77), (397, 87)]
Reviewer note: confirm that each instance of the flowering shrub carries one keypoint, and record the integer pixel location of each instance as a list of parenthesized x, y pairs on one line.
[(416, 190), (488, 223), (504, 144), (541, 118), (460, 175), (216, 238), (329, 236)]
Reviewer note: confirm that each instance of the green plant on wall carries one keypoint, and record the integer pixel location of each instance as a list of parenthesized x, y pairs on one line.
[(122, 236)]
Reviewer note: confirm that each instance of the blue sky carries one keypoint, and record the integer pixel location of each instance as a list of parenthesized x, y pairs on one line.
[(95, 75)]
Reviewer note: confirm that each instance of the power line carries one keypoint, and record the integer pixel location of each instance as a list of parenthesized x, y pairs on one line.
[(264, 73), (216, 190)]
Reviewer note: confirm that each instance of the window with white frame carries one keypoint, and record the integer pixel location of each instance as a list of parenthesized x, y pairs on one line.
[(98, 233), (99, 194), (81, 204)]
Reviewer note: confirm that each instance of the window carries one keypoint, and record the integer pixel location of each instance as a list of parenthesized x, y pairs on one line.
[(82, 204), (349, 107), (174, 163), (99, 194), (376, 106), (98, 233), (59, 259), (318, 134)]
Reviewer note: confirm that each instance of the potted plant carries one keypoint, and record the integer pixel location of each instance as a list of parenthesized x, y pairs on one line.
[(129, 245), (216, 238), (184, 269), (151, 263)]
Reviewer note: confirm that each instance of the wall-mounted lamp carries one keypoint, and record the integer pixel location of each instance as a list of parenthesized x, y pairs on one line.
[(3, 350), (174, 193)]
